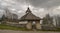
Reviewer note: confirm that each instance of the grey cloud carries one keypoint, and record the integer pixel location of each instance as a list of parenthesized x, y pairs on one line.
[(34, 3), (19, 4), (45, 3)]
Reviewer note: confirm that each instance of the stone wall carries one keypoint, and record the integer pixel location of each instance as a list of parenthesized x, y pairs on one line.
[(29, 25), (38, 26)]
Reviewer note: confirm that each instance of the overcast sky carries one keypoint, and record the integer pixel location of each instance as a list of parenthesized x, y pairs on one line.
[(38, 7)]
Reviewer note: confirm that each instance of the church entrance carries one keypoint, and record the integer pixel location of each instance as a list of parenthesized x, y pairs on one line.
[(33, 25)]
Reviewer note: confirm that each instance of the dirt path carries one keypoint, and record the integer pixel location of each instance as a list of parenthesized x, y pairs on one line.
[(11, 31)]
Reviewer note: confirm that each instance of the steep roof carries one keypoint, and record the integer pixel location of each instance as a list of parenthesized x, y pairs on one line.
[(29, 16)]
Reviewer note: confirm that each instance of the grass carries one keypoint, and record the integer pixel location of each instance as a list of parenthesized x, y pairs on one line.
[(6, 27)]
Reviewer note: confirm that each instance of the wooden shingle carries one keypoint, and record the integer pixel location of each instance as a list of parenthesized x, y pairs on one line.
[(29, 16)]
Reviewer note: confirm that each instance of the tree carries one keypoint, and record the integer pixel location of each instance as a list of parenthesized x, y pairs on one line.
[(3, 17), (57, 21), (47, 19), (47, 23)]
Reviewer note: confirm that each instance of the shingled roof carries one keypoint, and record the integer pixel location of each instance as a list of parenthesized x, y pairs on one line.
[(29, 16)]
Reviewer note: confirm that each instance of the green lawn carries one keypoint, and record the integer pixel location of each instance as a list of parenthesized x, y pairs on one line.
[(6, 27)]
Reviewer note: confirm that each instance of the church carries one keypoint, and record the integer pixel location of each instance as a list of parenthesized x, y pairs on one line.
[(30, 18)]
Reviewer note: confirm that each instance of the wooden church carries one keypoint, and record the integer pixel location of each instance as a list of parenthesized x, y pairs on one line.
[(30, 17)]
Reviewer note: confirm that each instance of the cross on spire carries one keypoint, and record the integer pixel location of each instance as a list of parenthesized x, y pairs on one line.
[(28, 10)]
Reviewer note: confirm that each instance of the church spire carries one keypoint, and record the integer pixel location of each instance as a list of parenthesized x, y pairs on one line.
[(28, 10)]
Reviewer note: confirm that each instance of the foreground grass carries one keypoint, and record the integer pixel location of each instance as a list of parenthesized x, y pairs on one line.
[(6, 27)]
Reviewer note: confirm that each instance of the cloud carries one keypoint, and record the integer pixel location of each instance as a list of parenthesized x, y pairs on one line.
[(45, 3), (55, 10), (38, 7)]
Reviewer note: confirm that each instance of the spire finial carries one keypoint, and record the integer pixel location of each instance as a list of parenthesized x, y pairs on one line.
[(28, 10)]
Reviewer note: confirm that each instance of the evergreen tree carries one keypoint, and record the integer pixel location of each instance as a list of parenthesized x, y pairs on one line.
[(47, 23), (3, 17), (47, 19)]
